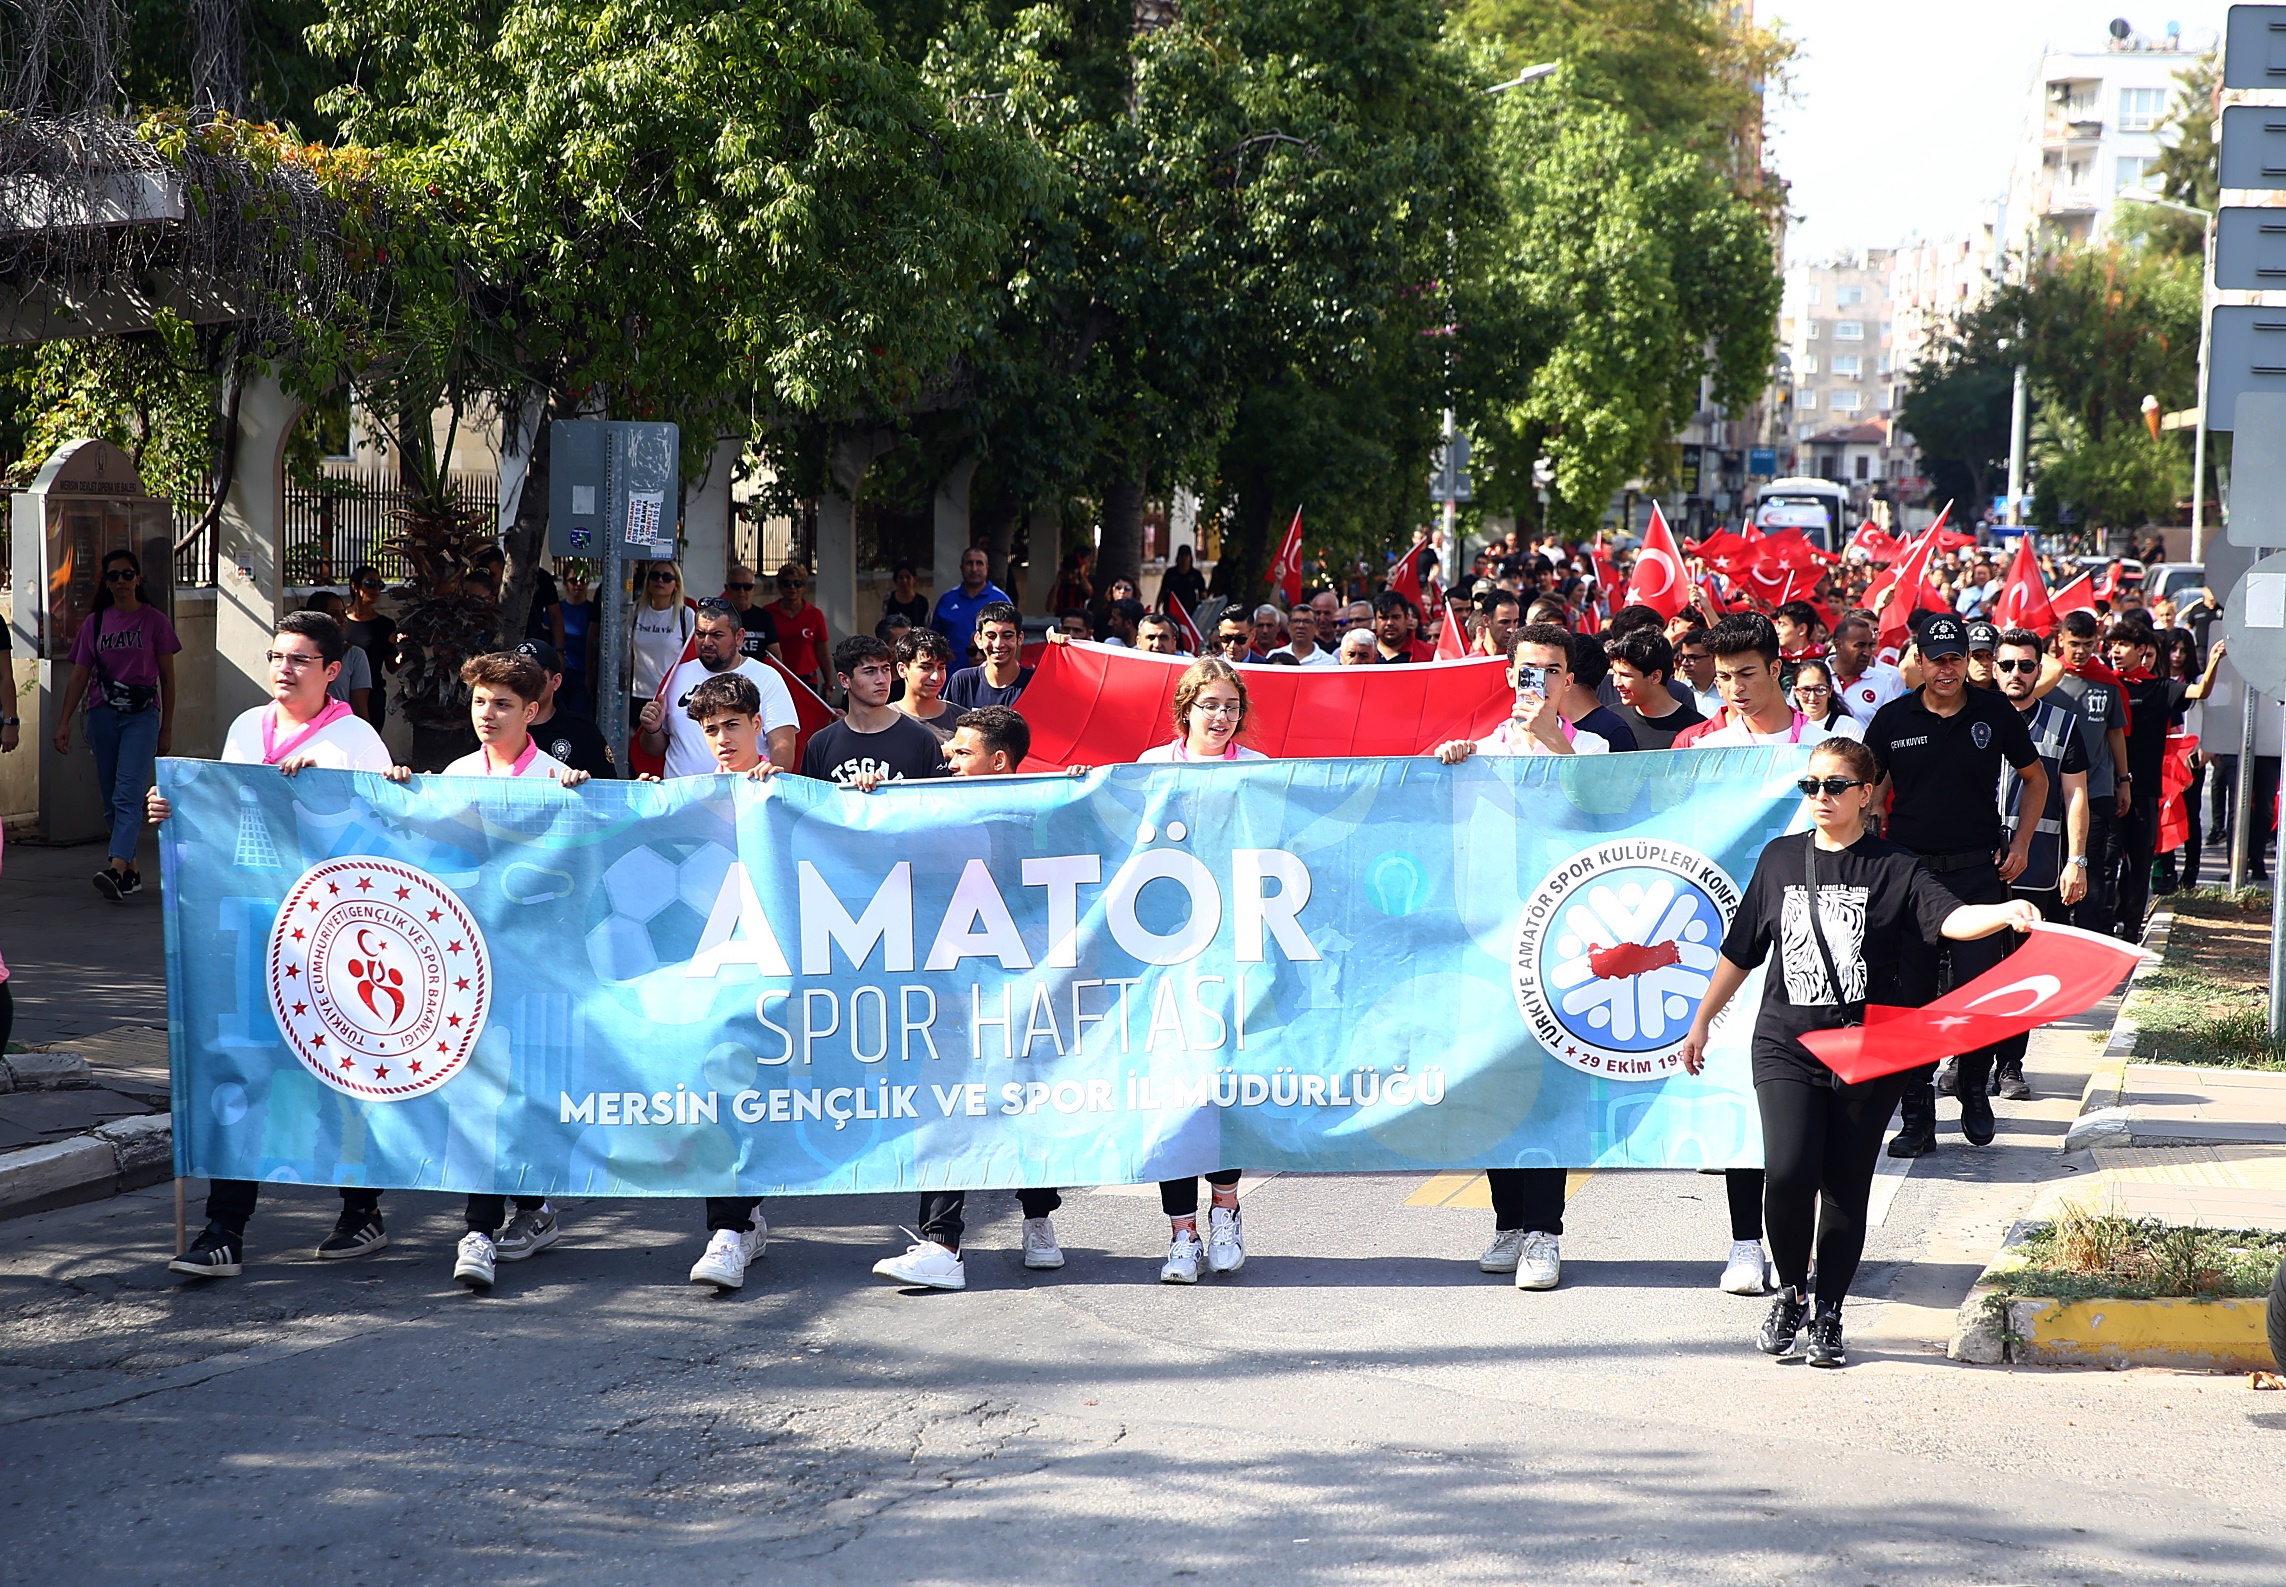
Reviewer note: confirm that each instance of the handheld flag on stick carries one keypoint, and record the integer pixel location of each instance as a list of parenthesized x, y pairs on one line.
[(1451, 645), (2023, 599), (2077, 596), (1192, 640), (1286, 566), (1659, 581)]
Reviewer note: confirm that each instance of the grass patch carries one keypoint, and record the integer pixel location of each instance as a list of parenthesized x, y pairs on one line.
[(2088, 1255), (2208, 1002)]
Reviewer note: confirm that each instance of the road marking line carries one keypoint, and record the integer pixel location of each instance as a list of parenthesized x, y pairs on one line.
[(1472, 1192), (1888, 1177)]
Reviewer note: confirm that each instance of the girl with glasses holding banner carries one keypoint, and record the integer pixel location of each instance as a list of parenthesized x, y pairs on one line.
[(1210, 713), (1837, 905)]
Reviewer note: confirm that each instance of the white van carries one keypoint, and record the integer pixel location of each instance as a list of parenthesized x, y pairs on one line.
[(1817, 507)]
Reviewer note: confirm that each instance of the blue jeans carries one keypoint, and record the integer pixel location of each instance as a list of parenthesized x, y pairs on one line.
[(124, 743)]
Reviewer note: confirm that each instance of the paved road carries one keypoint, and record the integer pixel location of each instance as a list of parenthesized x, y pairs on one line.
[(1359, 1406)]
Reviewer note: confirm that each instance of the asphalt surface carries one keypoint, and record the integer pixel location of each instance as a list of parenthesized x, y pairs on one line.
[(1360, 1405)]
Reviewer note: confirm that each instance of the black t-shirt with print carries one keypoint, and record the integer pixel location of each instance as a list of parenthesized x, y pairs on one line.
[(901, 752), (1872, 896), (2151, 706), (1657, 732), (758, 632), (1946, 769), (575, 741)]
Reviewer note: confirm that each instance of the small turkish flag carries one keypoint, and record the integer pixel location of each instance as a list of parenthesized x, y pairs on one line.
[(1192, 641), (1450, 645), (2077, 596), (1880, 549), (2023, 599), (1286, 567), (1658, 580), (2058, 972)]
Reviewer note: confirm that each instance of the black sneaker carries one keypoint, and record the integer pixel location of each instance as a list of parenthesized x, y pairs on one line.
[(2009, 1085), (1826, 1337), (108, 883), (1914, 1140), (130, 883), (1976, 1116), (1784, 1323), (354, 1234), (216, 1253)]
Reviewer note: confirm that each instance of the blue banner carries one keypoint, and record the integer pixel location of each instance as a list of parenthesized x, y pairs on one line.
[(715, 987)]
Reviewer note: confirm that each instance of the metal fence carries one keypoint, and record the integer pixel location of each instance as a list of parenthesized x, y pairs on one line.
[(331, 526)]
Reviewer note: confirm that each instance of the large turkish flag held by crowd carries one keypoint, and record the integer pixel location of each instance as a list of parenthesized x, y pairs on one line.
[(1097, 705)]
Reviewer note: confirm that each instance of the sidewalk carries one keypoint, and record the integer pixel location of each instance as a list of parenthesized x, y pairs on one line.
[(2191, 1146), (78, 963)]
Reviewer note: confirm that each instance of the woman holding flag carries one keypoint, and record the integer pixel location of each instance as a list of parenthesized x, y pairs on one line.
[(1837, 905)]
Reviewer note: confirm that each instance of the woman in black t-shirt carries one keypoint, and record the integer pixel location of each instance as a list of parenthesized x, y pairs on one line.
[(1820, 1135)]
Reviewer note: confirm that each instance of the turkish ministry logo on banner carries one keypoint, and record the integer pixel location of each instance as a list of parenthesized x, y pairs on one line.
[(378, 978), (1614, 955)]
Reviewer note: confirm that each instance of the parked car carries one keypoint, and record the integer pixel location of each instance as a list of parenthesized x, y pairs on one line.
[(2173, 581)]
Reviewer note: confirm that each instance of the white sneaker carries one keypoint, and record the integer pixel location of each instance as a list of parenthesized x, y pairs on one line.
[(1040, 1248), (1539, 1261), (1226, 1240), (727, 1254), (1747, 1272), (926, 1265), (1500, 1255), (473, 1265), (1184, 1254)]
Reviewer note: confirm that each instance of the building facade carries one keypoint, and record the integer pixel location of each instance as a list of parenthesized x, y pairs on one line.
[(2091, 132)]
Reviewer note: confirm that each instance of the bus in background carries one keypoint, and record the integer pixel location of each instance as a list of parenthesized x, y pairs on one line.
[(1817, 507)]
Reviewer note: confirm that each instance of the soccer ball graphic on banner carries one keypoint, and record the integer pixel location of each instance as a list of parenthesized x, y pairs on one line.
[(653, 906), (1615, 952)]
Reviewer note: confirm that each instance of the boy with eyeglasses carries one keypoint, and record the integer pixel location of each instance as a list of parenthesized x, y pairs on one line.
[(300, 727)]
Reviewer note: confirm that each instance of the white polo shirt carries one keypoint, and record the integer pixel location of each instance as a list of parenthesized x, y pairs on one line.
[(348, 743)]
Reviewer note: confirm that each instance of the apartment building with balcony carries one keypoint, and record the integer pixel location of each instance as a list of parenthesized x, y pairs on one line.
[(2091, 132), (1836, 333)]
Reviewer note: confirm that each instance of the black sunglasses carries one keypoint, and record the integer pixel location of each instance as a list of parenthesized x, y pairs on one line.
[(120, 575), (1831, 787), (2016, 666), (662, 578), (738, 586)]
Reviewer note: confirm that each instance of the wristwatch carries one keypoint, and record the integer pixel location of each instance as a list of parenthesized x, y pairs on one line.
[(2078, 861)]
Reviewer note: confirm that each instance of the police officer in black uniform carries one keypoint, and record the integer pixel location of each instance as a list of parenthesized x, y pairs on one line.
[(574, 740), (1941, 749)]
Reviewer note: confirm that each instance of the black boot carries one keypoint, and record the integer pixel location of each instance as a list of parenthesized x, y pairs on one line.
[(1976, 1106), (1918, 1135)]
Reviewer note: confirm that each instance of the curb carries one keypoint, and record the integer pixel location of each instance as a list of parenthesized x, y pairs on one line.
[(45, 1071), (2103, 1117), (1994, 1327), (126, 1154)]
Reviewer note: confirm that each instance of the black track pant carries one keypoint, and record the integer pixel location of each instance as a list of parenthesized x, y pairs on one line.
[(941, 1212), (730, 1212), (230, 1202), (1929, 970), (2009, 1054), (2138, 835), (1528, 1198), (1179, 1198), (1819, 1147), (1745, 1189), (487, 1213)]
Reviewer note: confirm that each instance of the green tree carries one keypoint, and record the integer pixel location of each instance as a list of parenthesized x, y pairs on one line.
[(678, 210), (1627, 271)]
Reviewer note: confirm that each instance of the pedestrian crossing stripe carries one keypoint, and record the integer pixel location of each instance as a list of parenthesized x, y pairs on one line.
[(1465, 1191)]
